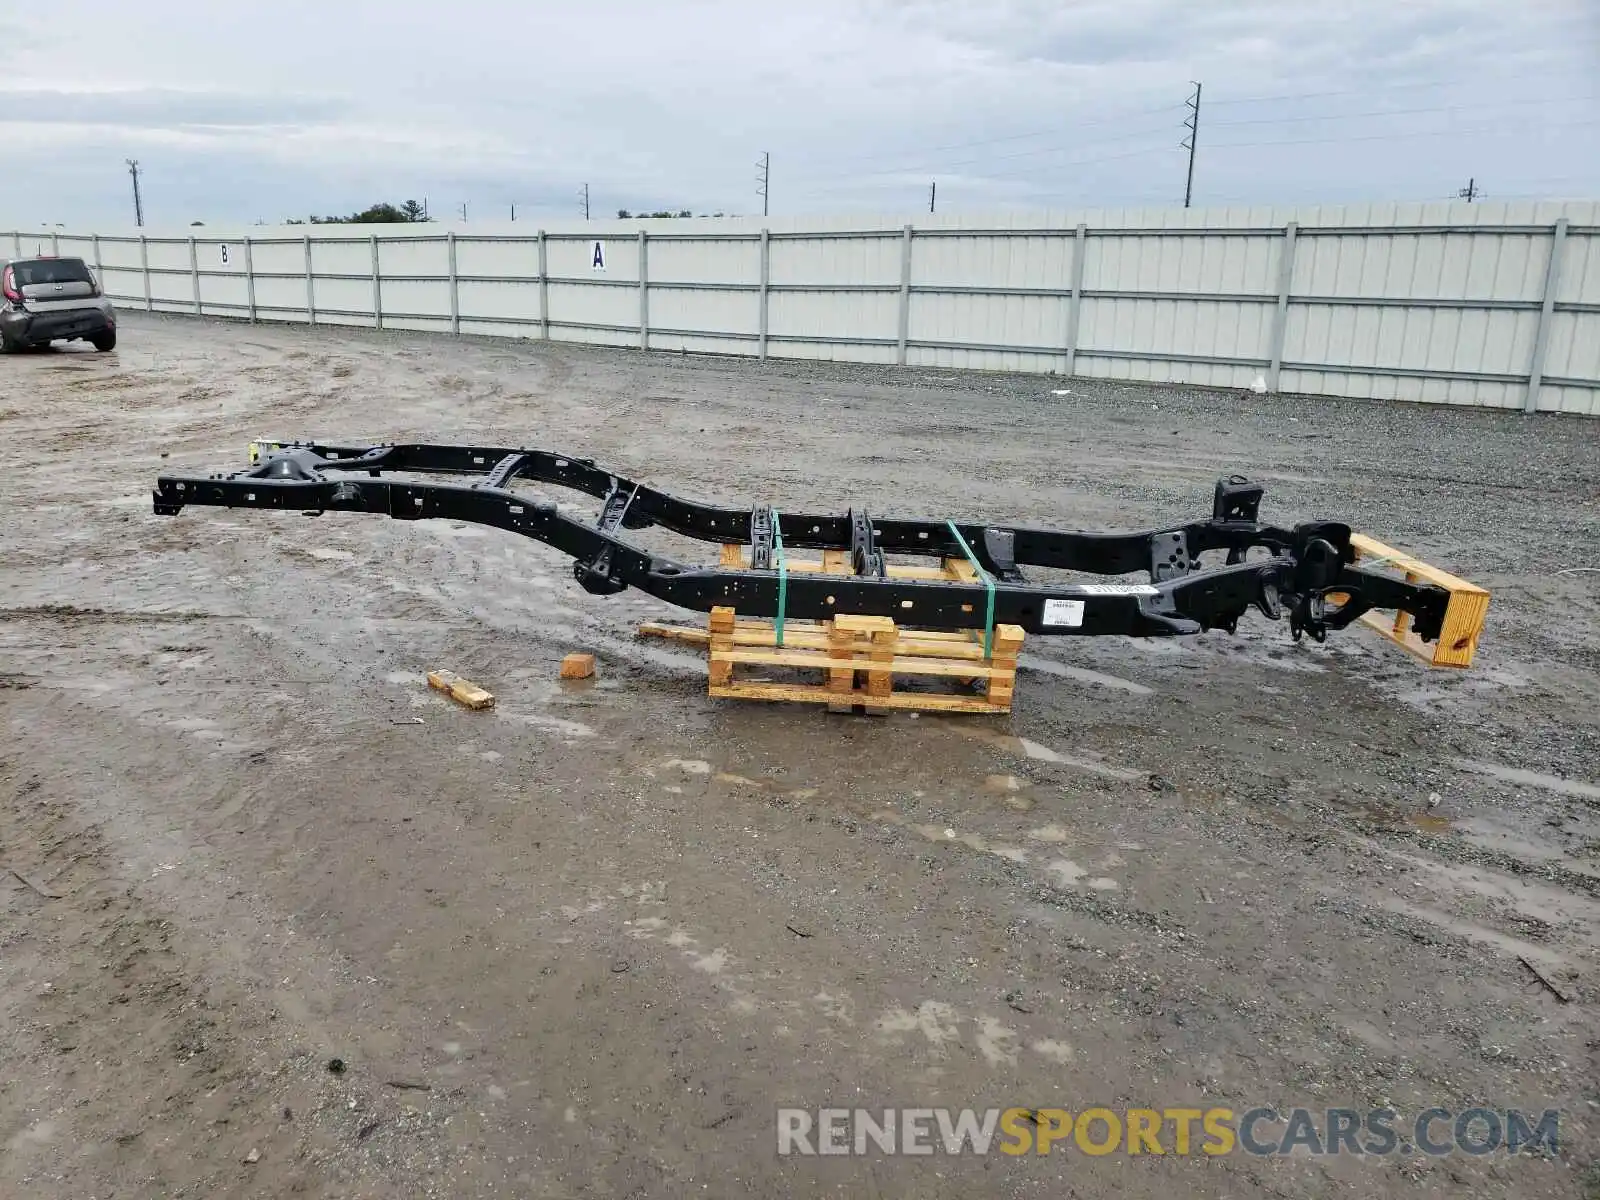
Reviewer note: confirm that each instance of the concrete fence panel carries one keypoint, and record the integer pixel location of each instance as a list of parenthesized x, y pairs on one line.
[(1470, 304)]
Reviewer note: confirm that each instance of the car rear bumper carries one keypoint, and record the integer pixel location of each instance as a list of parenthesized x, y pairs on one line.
[(35, 328)]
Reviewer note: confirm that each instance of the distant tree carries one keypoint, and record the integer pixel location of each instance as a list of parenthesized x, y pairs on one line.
[(623, 214), (192, 223), (377, 214)]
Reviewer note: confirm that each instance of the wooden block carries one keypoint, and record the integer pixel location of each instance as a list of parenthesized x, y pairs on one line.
[(880, 680), (960, 568), (841, 679), (577, 666), (462, 691), (836, 562), (719, 669), (732, 555), (865, 625)]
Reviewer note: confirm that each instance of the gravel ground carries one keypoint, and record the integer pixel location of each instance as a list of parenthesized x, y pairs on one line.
[(264, 934)]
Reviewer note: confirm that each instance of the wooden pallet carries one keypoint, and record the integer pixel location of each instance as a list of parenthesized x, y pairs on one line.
[(858, 658), (1463, 615)]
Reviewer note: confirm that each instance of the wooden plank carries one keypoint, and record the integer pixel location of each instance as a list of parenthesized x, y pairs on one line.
[(732, 556), (917, 643), (899, 664), (676, 633), (1464, 613), (462, 691), (836, 562), (1458, 636), (814, 694), (866, 625), (1367, 547)]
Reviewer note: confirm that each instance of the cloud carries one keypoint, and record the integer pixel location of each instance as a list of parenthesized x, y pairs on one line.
[(302, 105), (160, 108)]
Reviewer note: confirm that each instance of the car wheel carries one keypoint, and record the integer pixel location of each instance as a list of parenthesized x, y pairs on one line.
[(105, 341)]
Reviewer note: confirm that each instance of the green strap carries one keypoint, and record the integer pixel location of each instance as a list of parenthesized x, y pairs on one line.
[(988, 620), (783, 575)]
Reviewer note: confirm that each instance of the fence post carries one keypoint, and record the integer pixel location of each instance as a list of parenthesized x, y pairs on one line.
[(16, 243), (1080, 241), (311, 287), (544, 290), (1280, 315), (1541, 338), (55, 244), (194, 276), (144, 269), (766, 279), (250, 278), (905, 295), (377, 286), (99, 270), (455, 291), (644, 292)]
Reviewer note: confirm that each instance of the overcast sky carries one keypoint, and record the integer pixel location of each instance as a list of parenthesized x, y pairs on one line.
[(245, 111)]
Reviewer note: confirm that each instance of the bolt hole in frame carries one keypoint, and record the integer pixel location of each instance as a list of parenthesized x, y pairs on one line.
[(1320, 573)]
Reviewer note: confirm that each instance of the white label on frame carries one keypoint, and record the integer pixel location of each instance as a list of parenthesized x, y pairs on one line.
[(1063, 612), (1120, 589)]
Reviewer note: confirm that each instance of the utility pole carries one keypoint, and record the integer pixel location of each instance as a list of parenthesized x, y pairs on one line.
[(138, 204), (463, 210), (765, 167), (513, 210), (1471, 192), (933, 190), (1192, 124), (585, 195)]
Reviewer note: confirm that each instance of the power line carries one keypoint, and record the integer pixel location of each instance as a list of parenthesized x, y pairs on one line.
[(1419, 85), (1078, 162), (1401, 112), (968, 162), (1054, 131), (1393, 137)]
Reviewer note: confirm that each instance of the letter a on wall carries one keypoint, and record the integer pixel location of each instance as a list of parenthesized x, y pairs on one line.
[(597, 255)]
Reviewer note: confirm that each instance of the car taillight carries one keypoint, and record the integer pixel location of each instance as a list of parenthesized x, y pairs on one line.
[(9, 286)]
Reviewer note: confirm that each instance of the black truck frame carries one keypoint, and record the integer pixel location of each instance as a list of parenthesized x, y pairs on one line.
[(1250, 565)]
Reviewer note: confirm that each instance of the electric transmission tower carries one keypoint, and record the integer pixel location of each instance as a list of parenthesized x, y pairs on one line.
[(1192, 124), (765, 167), (583, 198), (138, 203)]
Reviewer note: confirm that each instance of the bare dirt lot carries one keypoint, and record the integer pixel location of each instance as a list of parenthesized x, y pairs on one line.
[(586, 944)]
